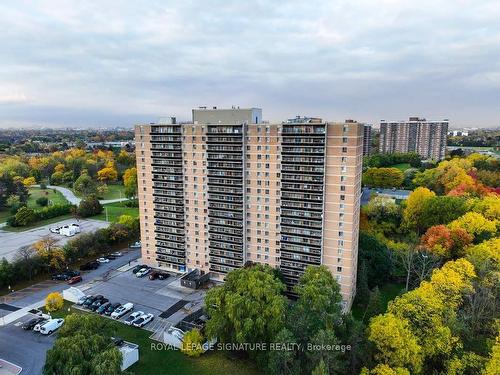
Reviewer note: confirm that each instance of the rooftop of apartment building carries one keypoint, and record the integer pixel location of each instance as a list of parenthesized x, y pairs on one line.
[(413, 119)]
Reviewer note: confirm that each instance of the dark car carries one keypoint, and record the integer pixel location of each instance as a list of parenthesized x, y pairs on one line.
[(112, 308), (89, 301), (89, 266), (60, 277), (30, 324), (111, 257), (72, 273), (74, 280), (118, 341), (97, 303), (158, 275), (103, 308), (138, 268)]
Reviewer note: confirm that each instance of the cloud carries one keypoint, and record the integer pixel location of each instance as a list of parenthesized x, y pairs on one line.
[(114, 61)]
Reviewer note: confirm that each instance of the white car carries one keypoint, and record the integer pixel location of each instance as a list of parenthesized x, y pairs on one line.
[(122, 310), (136, 245), (102, 260), (132, 317), (51, 326), (39, 325), (143, 272), (143, 320), (55, 230), (117, 254)]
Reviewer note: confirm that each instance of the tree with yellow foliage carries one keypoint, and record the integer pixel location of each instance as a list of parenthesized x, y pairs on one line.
[(413, 211), (493, 365), (50, 252), (108, 173), (476, 225), (29, 181), (54, 301)]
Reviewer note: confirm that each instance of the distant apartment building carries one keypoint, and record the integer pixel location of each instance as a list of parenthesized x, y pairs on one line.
[(367, 140), (426, 138), (228, 189)]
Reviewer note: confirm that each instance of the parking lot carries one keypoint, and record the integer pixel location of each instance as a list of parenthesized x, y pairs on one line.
[(149, 296), (12, 241), (24, 348)]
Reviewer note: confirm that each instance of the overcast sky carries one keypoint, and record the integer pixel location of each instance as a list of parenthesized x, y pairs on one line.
[(77, 63)]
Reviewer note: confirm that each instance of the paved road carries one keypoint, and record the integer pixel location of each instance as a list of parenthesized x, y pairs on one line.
[(12, 241), (73, 199)]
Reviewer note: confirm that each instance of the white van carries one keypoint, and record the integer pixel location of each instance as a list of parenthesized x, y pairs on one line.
[(122, 310), (51, 326)]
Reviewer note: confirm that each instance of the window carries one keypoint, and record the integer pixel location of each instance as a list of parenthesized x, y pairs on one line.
[(344, 150)]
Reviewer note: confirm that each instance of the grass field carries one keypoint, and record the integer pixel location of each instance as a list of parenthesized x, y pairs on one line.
[(53, 196), (115, 210), (403, 166), (388, 292), (114, 192), (170, 361)]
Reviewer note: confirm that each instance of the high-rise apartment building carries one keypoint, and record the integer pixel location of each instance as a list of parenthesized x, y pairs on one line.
[(226, 190), (426, 138), (367, 140)]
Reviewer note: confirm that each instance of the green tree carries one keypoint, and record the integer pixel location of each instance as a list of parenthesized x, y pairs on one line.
[(249, 307), (374, 306), (85, 185), (383, 177), (89, 206), (319, 300), (414, 208), (320, 369), (130, 182), (323, 345), (192, 344), (282, 361), (84, 347), (24, 216), (6, 273)]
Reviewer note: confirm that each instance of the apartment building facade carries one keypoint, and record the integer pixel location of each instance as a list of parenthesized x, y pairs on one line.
[(216, 194), (427, 138), (367, 140)]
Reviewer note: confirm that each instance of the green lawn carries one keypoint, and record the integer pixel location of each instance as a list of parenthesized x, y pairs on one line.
[(403, 166), (388, 292), (54, 197), (170, 361), (115, 210), (115, 191)]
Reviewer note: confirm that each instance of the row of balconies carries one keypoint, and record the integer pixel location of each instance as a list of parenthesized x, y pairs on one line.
[(302, 214), (166, 146), (219, 173), (305, 232), (225, 261), (303, 178), (170, 245), (299, 150), (176, 201), (169, 215), (302, 168), (170, 193), (224, 237), (169, 208), (294, 141), (226, 254), (300, 249), (225, 198), (225, 206), (169, 237), (167, 154), (226, 148), (162, 129), (301, 196), (291, 159), (168, 185), (171, 259), (224, 181), (225, 214), (304, 241), (225, 222), (219, 156), (302, 205), (306, 130), (169, 223), (169, 230), (301, 223), (227, 246), (225, 190), (225, 165), (303, 187)]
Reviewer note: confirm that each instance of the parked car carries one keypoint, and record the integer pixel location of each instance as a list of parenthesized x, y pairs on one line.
[(136, 245), (112, 308), (143, 320), (55, 230), (89, 301), (74, 280), (103, 308), (65, 276), (110, 257), (37, 327), (122, 310), (30, 324), (81, 300), (138, 268), (102, 260), (117, 254), (97, 303), (143, 272), (158, 275), (89, 266), (117, 341), (51, 326), (132, 317)]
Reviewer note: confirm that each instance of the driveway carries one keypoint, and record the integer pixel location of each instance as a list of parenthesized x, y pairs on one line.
[(73, 199), (12, 241)]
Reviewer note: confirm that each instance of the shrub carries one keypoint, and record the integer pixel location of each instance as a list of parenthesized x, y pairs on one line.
[(42, 201), (56, 210), (43, 185), (54, 302)]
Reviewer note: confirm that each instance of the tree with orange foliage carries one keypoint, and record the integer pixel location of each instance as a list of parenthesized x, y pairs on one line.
[(444, 242)]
